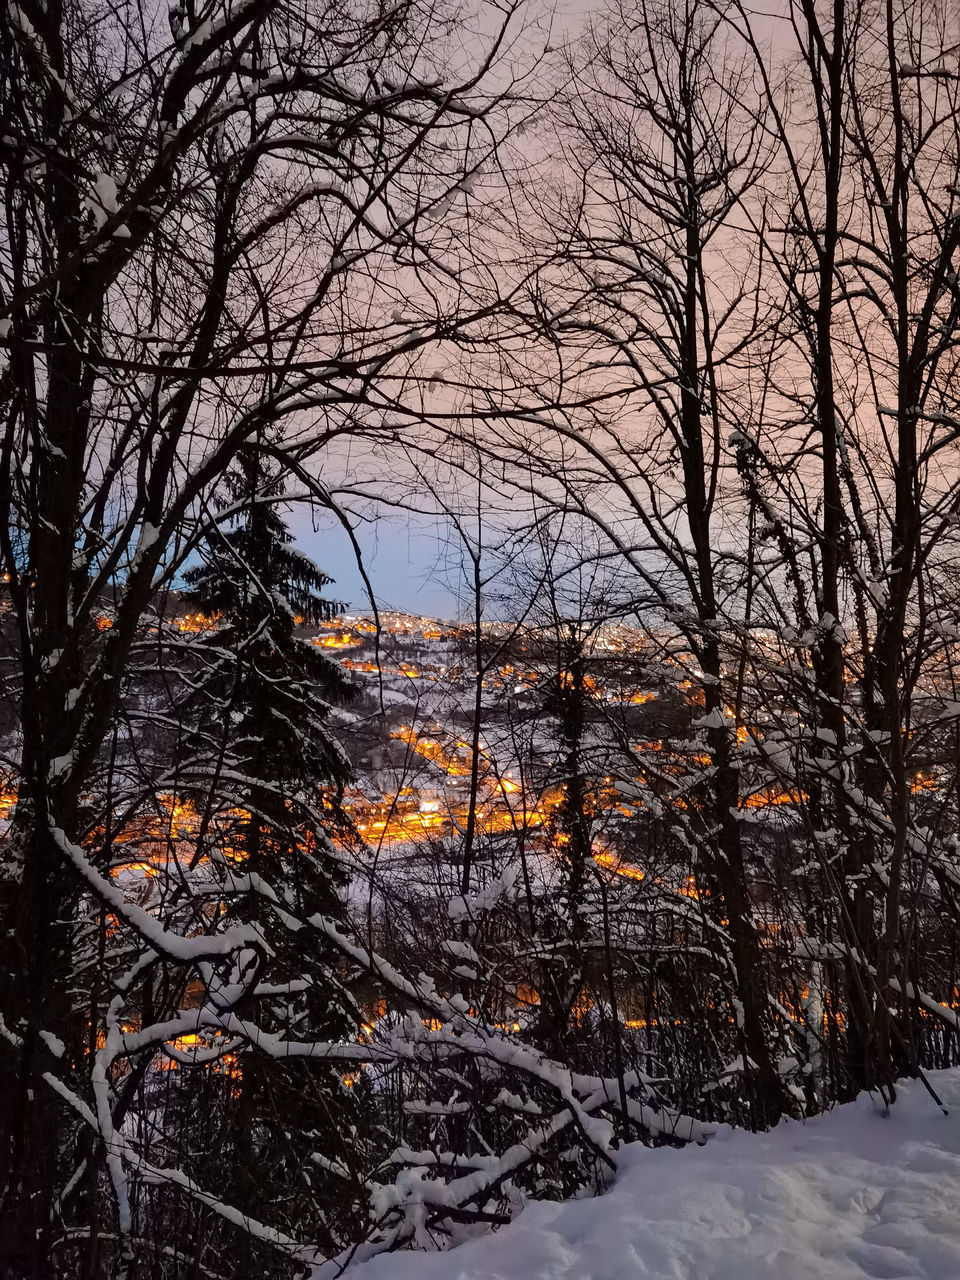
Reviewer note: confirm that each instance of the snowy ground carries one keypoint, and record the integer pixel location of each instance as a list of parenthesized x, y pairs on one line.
[(852, 1194)]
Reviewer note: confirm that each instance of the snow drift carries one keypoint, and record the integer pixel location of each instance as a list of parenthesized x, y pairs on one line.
[(858, 1192)]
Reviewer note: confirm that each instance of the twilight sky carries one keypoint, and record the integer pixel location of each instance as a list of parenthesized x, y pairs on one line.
[(403, 556), (411, 560)]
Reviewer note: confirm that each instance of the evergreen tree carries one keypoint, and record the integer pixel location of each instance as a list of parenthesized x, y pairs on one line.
[(260, 760), (272, 687)]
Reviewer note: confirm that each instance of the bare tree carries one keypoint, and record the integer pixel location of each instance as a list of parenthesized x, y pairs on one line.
[(238, 223), (664, 138), (859, 416)]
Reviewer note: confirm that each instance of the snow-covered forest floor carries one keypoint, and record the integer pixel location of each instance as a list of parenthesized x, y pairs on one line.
[(858, 1192)]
